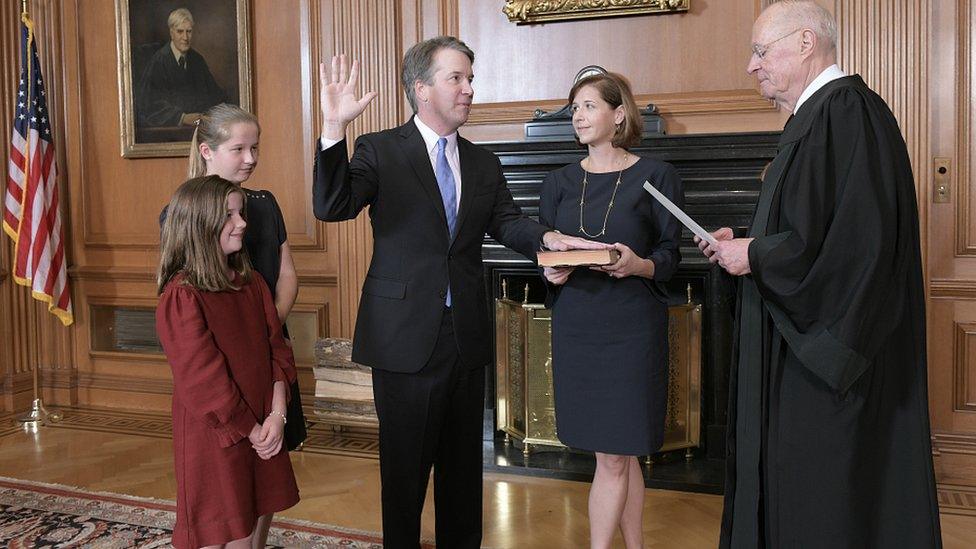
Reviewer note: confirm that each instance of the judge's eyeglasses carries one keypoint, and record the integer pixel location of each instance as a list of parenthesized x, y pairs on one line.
[(759, 50)]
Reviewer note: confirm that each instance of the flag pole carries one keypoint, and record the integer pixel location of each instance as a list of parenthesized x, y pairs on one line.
[(38, 414)]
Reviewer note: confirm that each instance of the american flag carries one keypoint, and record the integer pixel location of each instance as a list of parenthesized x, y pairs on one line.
[(30, 204)]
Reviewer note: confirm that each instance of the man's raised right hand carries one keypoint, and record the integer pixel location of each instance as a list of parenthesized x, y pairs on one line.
[(338, 97)]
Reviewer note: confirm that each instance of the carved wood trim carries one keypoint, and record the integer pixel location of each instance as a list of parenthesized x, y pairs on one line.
[(966, 117), (542, 11), (323, 320), (117, 274), (952, 289), (719, 102), (9, 313), (62, 378), (122, 356), (449, 20), (953, 443), (314, 238), (128, 384), (16, 382), (965, 359)]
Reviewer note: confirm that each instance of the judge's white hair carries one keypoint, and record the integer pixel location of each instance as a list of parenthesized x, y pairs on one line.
[(179, 15), (807, 14)]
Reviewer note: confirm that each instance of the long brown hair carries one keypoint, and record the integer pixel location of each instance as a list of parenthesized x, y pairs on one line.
[(615, 90), (191, 237), (213, 128)]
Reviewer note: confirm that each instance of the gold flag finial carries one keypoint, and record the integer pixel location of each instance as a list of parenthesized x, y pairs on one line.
[(23, 7)]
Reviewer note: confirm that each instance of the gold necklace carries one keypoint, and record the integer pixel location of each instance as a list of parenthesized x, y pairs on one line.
[(609, 206)]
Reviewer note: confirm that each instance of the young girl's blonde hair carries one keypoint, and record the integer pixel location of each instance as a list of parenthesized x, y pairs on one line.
[(213, 128), (191, 236)]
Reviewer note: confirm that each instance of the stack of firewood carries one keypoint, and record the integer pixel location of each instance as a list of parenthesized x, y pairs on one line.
[(343, 389)]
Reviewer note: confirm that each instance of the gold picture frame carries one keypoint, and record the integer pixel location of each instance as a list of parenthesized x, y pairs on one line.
[(541, 11), (217, 68)]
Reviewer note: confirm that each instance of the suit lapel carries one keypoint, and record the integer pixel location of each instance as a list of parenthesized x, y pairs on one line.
[(416, 152)]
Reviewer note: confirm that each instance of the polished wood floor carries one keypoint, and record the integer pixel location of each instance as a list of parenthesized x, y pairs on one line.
[(344, 491)]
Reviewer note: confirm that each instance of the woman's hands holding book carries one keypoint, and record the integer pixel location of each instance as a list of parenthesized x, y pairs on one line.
[(629, 264)]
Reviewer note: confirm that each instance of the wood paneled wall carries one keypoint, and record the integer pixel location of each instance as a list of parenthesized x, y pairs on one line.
[(886, 42), (691, 66)]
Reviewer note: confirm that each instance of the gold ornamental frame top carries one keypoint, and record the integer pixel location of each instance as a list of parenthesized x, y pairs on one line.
[(540, 11)]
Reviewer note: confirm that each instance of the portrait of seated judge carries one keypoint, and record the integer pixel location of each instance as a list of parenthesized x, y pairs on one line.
[(184, 61)]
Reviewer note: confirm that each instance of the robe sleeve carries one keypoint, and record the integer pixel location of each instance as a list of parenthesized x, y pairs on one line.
[(200, 373), (282, 357), (831, 273)]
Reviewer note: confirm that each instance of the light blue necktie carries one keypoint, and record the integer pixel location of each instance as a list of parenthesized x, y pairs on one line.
[(445, 180)]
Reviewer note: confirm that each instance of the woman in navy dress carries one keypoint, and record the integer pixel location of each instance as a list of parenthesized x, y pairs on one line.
[(610, 324)]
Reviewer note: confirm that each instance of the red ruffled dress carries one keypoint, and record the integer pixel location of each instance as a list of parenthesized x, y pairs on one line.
[(226, 351)]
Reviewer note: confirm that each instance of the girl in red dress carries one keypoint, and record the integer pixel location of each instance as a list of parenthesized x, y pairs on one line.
[(231, 369)]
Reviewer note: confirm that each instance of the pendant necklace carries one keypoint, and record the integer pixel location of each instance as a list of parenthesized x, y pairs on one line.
[(609, 206)]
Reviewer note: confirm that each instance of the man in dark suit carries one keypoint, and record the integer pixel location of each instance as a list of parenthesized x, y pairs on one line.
[(424, 323)]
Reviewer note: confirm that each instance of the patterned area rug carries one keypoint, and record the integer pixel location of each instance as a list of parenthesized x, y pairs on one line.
[(34, 514)]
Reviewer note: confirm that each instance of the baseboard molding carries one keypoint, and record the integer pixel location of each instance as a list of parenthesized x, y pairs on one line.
[(17, 382), (957, 500), (322, 437), (128, 384)]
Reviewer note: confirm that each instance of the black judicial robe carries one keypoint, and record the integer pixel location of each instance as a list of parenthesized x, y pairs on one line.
[(167, 91), (829, 442)]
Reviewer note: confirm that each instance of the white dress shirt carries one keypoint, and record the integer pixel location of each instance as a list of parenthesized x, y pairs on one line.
[(176, 53), (829, 74), (430, 141)]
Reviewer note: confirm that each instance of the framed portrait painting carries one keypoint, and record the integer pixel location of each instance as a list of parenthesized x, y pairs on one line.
[(177, 58)]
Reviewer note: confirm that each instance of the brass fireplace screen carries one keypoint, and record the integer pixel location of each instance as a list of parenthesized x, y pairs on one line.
[(525, 407)]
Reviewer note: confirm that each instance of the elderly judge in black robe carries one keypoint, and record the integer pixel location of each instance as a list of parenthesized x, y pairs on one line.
[(829, 442)]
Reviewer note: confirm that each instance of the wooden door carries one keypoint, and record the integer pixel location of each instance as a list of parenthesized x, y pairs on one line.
[(948, 205)]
